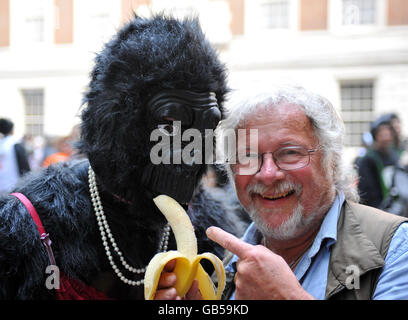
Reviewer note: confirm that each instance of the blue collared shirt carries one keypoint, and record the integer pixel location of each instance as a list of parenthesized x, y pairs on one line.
[(312, 269)]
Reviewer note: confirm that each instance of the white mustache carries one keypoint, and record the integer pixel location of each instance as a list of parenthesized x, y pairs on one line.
[(281, 187)]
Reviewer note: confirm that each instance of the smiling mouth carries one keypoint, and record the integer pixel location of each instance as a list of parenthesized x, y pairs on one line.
[(278, 196)]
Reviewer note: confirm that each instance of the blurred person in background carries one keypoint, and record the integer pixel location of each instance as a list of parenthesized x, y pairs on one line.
[(394, 177), (73, 140), (49, 147), (367, 142), (34, 146), (13, 157), (400, 143), (38, 152), (63, 152), (62, 148), (371, 185), (28, 143)]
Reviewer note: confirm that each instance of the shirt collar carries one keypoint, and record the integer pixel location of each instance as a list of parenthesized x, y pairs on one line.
[(328, 230)]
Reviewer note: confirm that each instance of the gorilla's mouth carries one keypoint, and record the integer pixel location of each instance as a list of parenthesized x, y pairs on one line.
[(177, 183)]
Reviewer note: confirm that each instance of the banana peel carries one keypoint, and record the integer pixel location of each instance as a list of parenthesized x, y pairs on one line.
[(188, 265)]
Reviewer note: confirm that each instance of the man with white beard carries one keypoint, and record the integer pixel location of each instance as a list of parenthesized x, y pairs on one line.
[(309, 238)]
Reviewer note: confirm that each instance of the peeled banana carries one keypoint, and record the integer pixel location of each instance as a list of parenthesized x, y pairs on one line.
[(188, 265)]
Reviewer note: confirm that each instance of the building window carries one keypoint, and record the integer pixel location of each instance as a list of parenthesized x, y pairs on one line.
[(33, 21), (97, 22), (357, 101), (274, 14), (359, 12), (34, 111), (35, 26)]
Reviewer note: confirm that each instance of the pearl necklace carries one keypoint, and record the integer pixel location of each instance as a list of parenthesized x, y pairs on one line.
[(106, 235)]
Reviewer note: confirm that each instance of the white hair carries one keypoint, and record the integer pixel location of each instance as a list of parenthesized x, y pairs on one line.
[(327, 125)]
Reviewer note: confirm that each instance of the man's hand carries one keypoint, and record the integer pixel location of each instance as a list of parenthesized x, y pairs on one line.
[(166, 290), (261, 274)]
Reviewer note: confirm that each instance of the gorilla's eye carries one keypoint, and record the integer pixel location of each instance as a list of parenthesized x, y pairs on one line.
[(168, 129)]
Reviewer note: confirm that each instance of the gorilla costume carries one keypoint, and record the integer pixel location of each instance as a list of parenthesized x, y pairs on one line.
[(153, 72)]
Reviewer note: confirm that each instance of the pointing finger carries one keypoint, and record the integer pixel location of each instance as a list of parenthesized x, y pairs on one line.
[(228, 241)]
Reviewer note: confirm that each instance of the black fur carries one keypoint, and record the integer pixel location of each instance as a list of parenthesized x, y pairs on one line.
[(146, 56)]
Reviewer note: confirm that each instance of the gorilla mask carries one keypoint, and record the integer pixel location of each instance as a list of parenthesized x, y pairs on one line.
[(157, 73), (176, 113)]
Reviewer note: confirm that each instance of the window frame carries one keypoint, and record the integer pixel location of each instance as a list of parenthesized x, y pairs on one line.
[(356, 121), (252, 20), (33, 112), (19, 11), (335, 20)]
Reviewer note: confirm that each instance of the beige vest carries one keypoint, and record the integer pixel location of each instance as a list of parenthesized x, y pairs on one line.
[(363, 237)]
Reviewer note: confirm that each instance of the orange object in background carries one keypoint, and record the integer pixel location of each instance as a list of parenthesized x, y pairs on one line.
[(54, 158), (64, 151)]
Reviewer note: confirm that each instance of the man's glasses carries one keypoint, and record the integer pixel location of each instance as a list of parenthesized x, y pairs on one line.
[(286, 158)]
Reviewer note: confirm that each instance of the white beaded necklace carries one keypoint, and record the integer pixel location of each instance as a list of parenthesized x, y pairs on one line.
[(106, 235)]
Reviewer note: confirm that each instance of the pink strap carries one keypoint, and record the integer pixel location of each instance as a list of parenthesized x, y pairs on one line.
[(27, 203), (43, 235)]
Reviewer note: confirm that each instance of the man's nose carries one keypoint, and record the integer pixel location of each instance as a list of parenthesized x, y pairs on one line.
[(269, 171)]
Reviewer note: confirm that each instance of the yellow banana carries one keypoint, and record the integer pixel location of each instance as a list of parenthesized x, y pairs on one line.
[(188, 265)]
